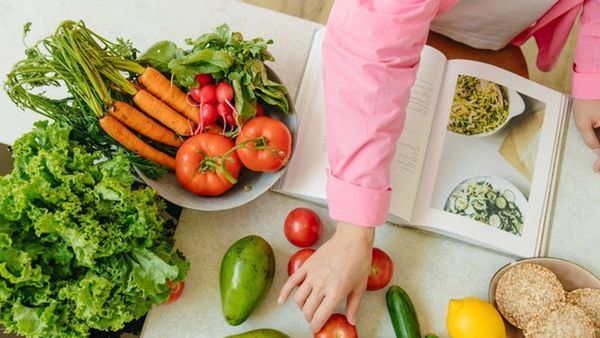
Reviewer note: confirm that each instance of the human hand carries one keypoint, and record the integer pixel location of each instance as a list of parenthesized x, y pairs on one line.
[(587, 119), (338, 269)]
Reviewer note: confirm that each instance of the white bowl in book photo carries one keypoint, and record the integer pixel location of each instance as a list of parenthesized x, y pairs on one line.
[(482, 108), (490, 200)]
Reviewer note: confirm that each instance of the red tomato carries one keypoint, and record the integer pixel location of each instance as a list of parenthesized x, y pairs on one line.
[(213, 129), (176, 291), (298, 259), (268, 147), (199, 165), (337, 327), (382, 269), (302, 227)]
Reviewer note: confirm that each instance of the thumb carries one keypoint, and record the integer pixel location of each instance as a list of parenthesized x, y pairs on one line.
[(353, 303)]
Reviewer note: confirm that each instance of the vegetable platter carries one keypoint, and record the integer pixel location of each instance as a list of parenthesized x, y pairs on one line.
[(193, 121), (84, 246)]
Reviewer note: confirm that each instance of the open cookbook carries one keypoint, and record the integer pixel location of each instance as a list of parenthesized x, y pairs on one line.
[(477, 159)]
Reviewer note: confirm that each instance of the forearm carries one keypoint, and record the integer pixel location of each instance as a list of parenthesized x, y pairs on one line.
[(371, 54), (586, 68)]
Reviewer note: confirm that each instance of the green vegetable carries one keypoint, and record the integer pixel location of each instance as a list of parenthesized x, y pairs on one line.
[(80, 249), (479, 106), (480, 201), (430, 335), (247, 272), (261, 333), (227, 57), (402, 313)]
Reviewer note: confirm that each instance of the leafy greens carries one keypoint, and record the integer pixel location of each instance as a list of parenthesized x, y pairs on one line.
[(79, 248), (226, 56)]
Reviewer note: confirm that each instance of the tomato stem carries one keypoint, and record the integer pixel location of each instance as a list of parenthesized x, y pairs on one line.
[(217, 163)]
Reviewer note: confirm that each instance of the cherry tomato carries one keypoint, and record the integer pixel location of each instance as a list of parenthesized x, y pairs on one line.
[(176, 291), (382, 269), (337, 327), (268, 144), (199, 165), (204, 79), (302, 227), (298, 259)]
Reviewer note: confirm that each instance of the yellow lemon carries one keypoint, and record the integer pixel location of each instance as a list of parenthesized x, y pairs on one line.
[(474, 318)]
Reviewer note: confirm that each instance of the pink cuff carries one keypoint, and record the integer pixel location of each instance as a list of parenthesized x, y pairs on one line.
[(355, 204), (586, 85)]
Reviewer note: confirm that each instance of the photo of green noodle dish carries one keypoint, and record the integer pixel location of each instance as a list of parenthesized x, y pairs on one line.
[(479, 106), (480, 201)]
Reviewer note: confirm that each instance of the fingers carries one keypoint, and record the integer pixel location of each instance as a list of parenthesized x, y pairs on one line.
[(324, 311), (291, 283), (302, 294), (596, 166), (353, 303), (312, 304), (588, 133)]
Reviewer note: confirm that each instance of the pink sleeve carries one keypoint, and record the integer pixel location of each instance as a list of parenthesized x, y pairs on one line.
[(371, 53), (586, 71)]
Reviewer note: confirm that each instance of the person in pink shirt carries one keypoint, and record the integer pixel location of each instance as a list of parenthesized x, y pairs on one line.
[(371, 55)]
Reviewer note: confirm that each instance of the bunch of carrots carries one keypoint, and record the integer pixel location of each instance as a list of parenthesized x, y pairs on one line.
[(104, 83)]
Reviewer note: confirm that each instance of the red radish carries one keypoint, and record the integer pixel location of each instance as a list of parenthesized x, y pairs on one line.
[(209, 114), (223, 109), (195, 94), (204, 79), (224, 92), (230, 119), (208, 94), (260, 111)]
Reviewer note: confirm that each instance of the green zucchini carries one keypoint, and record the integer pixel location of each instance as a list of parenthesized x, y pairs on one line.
[(501, 202), (402, 313)]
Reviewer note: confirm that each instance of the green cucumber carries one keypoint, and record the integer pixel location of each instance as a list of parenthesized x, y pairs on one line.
[(431, 335), (261, 333), (402, 313)]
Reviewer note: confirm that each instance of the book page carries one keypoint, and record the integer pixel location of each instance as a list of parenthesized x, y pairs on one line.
[(306, 176), (490, 158), (406, 168)]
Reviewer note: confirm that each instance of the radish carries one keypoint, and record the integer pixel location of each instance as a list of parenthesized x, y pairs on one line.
[(204, 79), (260, 111), (224, 92), (207, 94), (195, 94), (230, 119), (223, 109), (209, 114)]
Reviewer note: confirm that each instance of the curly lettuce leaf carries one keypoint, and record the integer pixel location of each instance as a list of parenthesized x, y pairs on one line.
[(80, 247)]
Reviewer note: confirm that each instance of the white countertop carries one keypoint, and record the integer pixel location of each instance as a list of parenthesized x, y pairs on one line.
[(431, 268)]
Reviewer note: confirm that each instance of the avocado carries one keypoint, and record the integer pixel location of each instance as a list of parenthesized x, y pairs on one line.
[(261, 333), (247, 272)]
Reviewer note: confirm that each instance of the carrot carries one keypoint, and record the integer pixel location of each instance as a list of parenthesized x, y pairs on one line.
[(161, 87), (138, 121), (121, 134), (163, 113)]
